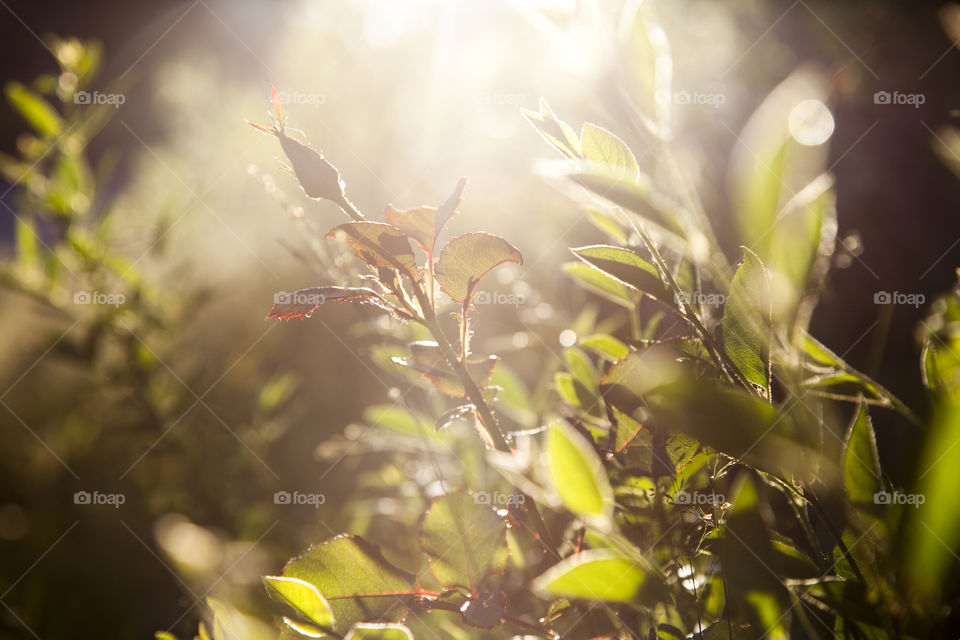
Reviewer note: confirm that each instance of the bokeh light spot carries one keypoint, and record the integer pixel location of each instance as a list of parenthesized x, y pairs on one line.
[(811, 123)]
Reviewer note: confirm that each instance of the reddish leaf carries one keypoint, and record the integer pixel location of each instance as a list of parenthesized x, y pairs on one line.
[(301, 303), (467, 258), (424, 223), (380, 245)]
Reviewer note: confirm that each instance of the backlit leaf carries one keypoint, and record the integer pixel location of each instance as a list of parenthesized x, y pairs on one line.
[(747, 322), (636, 196), (373, 631), (626, 266), (378, 244), (35, 110), (465, 541), (302, 596), (934, 529), (467, 258), (597, 574), (424, 223), (768, 165), (599, 145), (556, 132), (602, 283), (861, 462), (356, 580), (577, 473), (301, 303)]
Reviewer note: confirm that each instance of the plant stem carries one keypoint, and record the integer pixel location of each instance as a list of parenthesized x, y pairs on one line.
[(473, 392), (690, 314), (349, 208)]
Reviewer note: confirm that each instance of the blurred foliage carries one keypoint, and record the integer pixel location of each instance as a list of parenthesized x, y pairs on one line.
[(692, 462)]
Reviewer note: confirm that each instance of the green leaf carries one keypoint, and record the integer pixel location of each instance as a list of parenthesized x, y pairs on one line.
[(465, 541), (397, 418), (652, 382), (834, 370), (636, 196), (576, 394), (605, 221), (629, 268), (28, 243), (302, 596), (606, 346), (801, 246), (356, 580), (577, 473), (581, 367), (602, 284), (596, 574), (649, 66), (769, 165), (467, 258), (371, 631), (380, 245), (934, 528), (747, 556), (556, 132), (514, 397), (232, 624), (35, 110), (599, 145), (771, 616), (747, 322), (861, 462)]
